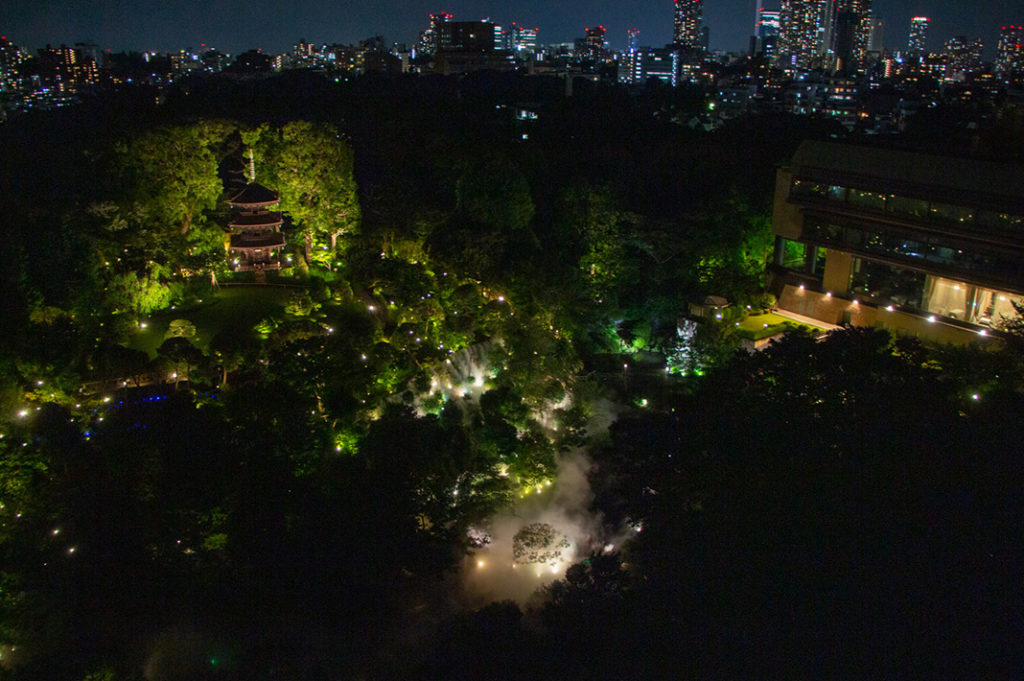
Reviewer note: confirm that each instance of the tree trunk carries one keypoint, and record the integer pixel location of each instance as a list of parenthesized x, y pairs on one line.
[(308, 242)]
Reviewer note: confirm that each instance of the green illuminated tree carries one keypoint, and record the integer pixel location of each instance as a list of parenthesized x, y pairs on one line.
[(318, 189)]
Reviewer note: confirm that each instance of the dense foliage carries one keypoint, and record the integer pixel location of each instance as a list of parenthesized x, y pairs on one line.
[(204, 479)]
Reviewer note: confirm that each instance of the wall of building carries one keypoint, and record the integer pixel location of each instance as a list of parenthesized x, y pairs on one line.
[(838, 310)]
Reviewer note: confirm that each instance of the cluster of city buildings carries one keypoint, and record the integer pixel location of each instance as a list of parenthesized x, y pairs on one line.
[(807, 57)]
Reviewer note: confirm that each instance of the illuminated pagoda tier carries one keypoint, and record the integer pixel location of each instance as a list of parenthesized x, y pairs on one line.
[(256, 238)]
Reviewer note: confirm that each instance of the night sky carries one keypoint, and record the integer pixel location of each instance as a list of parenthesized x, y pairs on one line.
[(235, 25)]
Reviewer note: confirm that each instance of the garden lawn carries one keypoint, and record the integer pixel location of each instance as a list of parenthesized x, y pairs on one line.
[(234, 309), (758, 326)]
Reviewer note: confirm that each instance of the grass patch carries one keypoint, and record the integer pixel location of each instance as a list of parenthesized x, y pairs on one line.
[(758, 326), (233, 309)]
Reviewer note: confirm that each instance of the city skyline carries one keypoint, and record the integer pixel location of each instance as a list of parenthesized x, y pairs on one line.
[(161, 26)]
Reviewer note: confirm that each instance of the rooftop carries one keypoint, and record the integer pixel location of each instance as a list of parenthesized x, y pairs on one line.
[(937, 176), (254, 194)]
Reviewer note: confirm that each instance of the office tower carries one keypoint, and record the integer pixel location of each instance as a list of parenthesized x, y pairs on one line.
[(593, 46), (429, 38), (876, 42), (630, 64), (767, 23), (523, 39), (802, 32), (767, 33), (1010, 52), (918, 33), (466, 36), (686, 30), (501, 38)]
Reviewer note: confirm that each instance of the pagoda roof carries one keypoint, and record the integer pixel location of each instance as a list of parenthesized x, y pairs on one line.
[(260, 219), (254, 194)]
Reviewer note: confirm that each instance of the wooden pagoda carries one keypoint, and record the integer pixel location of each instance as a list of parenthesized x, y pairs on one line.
[(256, 238)]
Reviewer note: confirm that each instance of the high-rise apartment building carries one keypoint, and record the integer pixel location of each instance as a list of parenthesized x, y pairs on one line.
[(963, 56), (850, 31), (802, 32), (1010, 52), (686, 31)]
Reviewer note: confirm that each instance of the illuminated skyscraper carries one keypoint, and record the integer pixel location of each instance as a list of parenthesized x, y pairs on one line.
[(429, 38), (767, 23), (767, 33), (918, 33), (963, 56), (1010, 52), (850, 31), (687, 26), (630, 63), (596, 47), (524, 39), (802, 32)]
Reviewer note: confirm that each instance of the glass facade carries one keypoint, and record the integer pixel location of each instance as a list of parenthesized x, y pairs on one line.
[(907, 207), (935, 251), (797, 255), (907, 266), (885, 285)]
